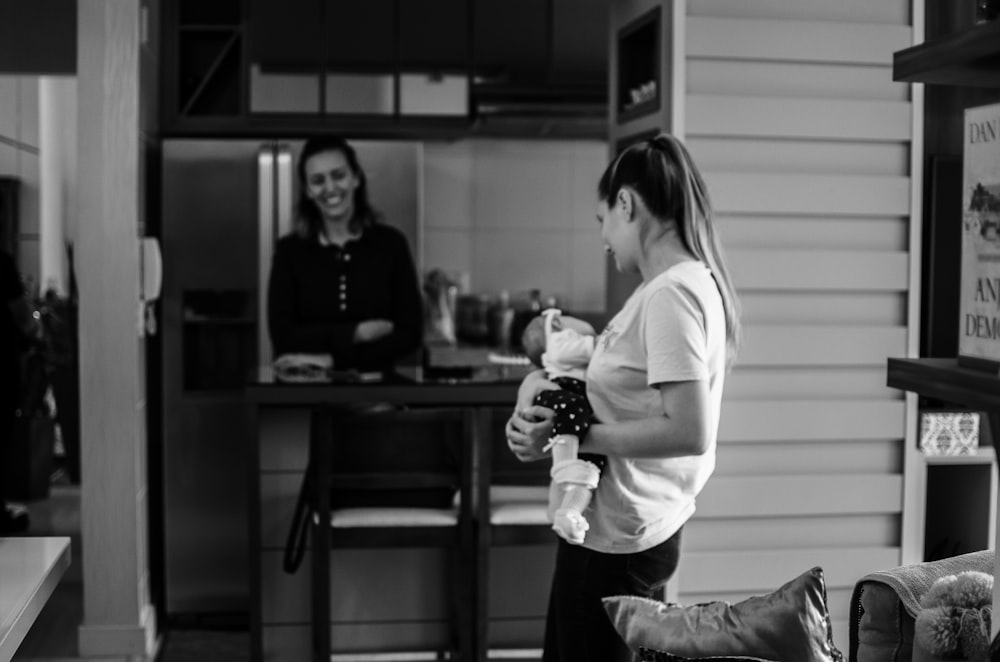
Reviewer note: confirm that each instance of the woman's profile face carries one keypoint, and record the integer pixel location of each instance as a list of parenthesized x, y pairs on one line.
[(330, 183), (614, 234)]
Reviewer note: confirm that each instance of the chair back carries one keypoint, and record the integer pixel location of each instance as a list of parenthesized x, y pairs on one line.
[(401, 458), (504, 468)]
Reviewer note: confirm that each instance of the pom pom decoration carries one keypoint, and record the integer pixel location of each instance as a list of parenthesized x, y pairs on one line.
[(954, 619)]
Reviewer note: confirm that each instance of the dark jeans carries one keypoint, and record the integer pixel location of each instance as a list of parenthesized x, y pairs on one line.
[(577, 629)]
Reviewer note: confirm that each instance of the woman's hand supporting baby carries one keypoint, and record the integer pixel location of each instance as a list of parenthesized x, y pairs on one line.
[(530, 426)]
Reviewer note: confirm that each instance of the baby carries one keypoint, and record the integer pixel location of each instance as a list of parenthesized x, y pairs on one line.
[(563, 345)]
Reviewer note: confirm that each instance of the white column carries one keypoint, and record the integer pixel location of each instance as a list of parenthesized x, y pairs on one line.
[(118, 618)]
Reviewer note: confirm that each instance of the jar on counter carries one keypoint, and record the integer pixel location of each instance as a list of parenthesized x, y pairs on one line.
[(501, 322)]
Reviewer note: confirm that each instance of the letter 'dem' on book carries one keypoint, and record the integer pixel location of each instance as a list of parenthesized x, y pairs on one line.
[(979, 305)]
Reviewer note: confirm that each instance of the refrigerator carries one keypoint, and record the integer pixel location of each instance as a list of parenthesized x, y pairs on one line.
[(225, 203)]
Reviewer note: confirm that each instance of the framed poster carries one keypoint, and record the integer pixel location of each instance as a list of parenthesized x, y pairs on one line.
[(979, 302)]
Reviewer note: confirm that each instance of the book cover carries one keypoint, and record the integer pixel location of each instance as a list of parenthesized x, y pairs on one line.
[(979, 306)]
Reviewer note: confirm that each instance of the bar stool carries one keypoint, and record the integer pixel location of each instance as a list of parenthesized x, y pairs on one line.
[(401, 478), (512, 499)]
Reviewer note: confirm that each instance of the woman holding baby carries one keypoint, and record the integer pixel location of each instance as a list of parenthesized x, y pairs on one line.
[(654, 383)]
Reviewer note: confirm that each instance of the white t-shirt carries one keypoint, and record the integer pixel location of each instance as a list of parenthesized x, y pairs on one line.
[(672, 328)]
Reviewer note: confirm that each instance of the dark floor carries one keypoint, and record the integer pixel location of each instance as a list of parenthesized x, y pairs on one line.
[(53, 638)]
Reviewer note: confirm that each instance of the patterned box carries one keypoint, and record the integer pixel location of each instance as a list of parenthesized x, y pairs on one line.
[(949, 432)]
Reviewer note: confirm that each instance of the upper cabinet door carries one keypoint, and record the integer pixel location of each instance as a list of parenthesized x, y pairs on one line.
[(511, 39), (360, 35), (286, 36), (580, 40), (434, 35)]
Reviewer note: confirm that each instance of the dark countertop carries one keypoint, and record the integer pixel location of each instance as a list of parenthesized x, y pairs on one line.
[(486, 387)]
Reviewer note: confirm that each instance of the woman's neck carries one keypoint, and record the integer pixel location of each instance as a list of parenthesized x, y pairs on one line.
[(338, 230), (661, 252)]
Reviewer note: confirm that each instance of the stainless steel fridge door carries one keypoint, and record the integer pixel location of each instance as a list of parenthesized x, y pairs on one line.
[(274, 220), (210, 237)]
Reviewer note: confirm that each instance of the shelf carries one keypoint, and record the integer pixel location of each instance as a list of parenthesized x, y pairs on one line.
[(639, 60), (944, 379), (970, 57), (983, 455)]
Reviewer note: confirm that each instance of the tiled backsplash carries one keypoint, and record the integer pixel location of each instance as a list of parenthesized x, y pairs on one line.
[(516, 215)]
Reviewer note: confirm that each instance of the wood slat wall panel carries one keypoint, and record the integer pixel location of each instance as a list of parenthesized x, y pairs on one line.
[(868, 309), (706, 534), (804, 420), (823, 457), (707, 572), (840, 345), (799, 155), (795, 40), (801, 495), (886, 11), (794, 79), (823, 195), (787, 117), (803, 383), (804, 142), (819, 270), (812, 232)]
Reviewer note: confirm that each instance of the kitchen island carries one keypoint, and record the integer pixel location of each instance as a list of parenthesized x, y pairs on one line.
[(383, 599)]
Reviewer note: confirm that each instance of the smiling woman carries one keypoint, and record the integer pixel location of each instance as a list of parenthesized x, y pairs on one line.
[(343, 283)]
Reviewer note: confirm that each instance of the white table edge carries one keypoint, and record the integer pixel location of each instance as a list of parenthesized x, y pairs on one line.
[(14, 629)]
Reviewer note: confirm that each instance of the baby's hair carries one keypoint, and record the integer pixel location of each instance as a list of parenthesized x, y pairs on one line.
[(533, 339)]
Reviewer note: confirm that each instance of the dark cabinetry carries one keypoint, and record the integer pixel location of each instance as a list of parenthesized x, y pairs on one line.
[(385, 67), (207, 41), (434, 35)]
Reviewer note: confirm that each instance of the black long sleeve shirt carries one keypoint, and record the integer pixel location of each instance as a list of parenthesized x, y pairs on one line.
[(318, 294), (11, 289)]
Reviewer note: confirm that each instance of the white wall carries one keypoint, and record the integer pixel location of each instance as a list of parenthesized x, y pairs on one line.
[(57, 204), (517, 215), (19, 158)]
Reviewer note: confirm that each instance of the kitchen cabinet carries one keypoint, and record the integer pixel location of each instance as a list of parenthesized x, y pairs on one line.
[(286, 36), (202, 74), (434, 35), (38, 37), (379, 68), (510, 42)]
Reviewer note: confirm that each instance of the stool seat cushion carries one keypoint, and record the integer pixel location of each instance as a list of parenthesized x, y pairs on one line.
[(352, 518), (519, 505)]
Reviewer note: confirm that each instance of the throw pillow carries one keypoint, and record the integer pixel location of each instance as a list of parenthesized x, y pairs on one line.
[(792, 623), (649, 655)]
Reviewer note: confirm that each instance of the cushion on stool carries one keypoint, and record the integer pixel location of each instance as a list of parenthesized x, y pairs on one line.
[(516, 505), (353, 518)]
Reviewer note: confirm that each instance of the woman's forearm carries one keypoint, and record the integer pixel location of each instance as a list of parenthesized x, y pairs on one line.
[(655, 437)]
